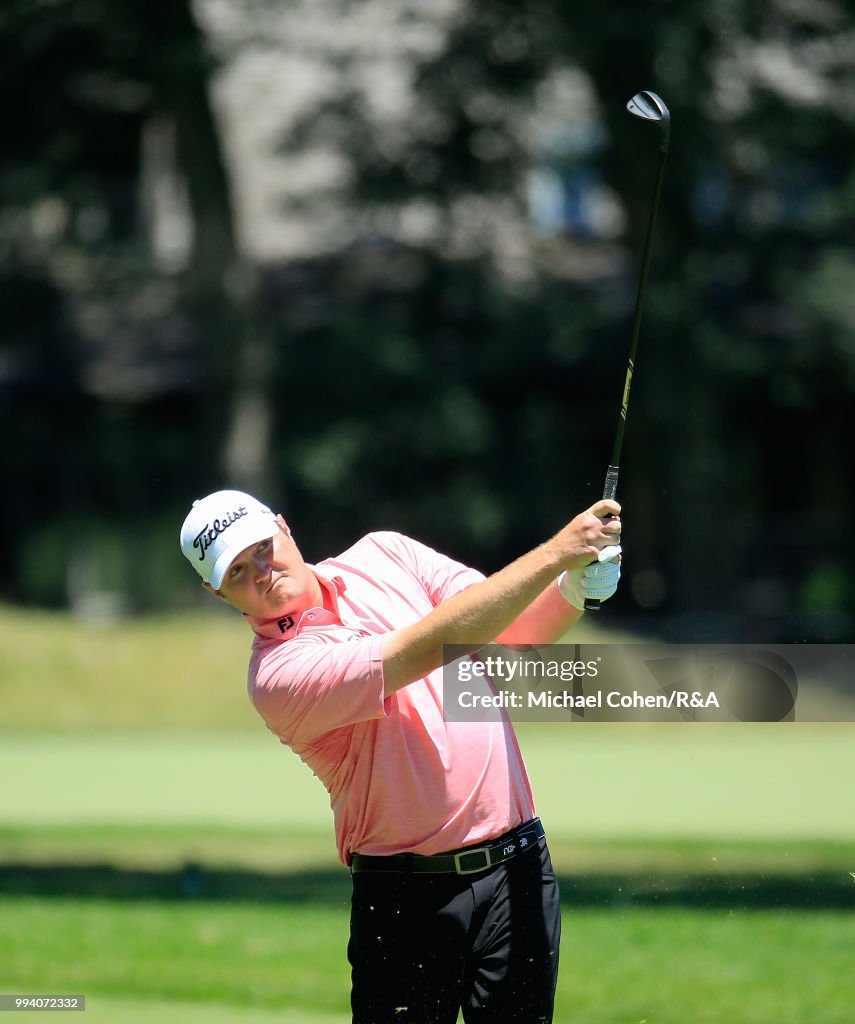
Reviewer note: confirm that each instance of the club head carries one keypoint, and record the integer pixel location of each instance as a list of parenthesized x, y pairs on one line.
[(650, 107)]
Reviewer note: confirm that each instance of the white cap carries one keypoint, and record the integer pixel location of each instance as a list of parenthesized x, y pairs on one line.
[(219, 527)]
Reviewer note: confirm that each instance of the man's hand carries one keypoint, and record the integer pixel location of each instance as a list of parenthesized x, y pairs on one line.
[(581, 541), (599, 580)]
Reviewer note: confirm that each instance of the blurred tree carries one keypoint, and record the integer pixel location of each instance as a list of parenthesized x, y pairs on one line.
[(750, 292), (104, 327), (221, 286), (453, 367)]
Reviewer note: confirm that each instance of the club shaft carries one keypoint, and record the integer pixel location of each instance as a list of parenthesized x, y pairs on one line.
[(636, 319), (612, 473)]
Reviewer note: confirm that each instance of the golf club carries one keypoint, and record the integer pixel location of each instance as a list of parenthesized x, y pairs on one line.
[(649, 107)]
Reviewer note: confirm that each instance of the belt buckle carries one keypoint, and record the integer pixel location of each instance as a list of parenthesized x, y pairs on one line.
[(458, 866)]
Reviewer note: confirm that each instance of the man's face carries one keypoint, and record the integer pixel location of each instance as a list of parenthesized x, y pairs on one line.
[(270, 579)]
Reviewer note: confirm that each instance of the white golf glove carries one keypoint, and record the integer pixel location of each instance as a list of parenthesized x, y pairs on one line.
[(598, 580)]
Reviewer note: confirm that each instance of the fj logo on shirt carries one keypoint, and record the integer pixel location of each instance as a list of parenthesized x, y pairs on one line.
[(208, 534), (285, 624)]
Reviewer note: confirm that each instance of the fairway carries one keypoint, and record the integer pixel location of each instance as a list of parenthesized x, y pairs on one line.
[(230, 963), (663, 835), (595, 781)]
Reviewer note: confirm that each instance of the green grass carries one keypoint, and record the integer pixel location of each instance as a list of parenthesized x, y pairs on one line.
[(653, 782), (132, 748), (670, 967), (247, 961), (175, 672), (182, 671), (285, 848), (629, 800), (135, 744), (113, 1010), (234, 956)]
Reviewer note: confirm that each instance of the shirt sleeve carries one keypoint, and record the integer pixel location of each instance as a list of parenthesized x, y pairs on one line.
[(305, 687), (442, 577)]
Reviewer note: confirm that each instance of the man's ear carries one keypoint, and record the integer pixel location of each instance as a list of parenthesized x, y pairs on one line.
[(284, 525)]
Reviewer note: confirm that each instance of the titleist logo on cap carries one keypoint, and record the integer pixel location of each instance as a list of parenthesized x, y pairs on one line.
[(209, 533)]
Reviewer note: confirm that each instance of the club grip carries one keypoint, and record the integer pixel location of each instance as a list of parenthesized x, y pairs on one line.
[(609, 491), (610, 486)]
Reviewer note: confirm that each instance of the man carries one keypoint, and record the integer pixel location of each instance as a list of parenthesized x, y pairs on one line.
[(455, 903)]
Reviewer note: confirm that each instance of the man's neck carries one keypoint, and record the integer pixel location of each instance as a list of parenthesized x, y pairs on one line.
[(278, 627)]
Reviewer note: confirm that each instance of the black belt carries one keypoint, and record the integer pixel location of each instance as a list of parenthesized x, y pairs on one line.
[(466, 861)]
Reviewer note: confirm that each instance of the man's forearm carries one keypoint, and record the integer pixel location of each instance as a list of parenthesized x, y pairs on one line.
[(544, 621)]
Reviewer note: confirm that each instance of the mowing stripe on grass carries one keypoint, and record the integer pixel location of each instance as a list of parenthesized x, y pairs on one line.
[(692, 781), (237, 779), (596, 781)]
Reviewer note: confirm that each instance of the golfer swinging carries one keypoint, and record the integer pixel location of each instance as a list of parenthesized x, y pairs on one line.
[(455, 903)]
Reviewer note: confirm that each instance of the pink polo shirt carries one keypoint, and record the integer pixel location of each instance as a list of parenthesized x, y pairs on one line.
[(400, 778)]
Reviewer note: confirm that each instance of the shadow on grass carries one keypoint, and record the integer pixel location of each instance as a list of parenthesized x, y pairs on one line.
[(815, 891)]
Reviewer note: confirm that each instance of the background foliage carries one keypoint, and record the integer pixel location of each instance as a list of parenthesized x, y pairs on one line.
[(438, 385)]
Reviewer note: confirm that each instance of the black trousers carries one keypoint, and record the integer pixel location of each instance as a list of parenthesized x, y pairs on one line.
[(424, 946)]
